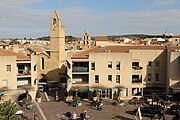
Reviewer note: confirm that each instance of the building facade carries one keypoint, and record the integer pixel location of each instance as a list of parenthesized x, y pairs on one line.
[(18, 75), (125, 71)]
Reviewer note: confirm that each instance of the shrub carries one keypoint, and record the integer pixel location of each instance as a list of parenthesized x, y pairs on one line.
[(38, 94), (76, 98), (94, 93)]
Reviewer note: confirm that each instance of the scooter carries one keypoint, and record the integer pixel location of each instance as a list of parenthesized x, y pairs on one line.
[(83, 116), (99, 106), (93, 104)]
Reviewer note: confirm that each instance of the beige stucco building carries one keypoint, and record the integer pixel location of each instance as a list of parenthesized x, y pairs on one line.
[(18, 75), (126, 71), (114, 71)]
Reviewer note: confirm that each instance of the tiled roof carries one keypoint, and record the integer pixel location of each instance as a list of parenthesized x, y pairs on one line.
[(85, 54), (4, 52), (22, 45), (36, 49), (176, 36), (173, 48), (101, 38)]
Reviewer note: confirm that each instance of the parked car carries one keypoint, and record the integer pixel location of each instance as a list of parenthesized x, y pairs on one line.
[(173, 110), (152, 111)]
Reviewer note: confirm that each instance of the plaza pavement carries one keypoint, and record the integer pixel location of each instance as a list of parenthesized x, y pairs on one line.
[(54, 110)]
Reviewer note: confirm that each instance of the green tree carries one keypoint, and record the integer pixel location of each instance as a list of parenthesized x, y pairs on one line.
[(13, 42)]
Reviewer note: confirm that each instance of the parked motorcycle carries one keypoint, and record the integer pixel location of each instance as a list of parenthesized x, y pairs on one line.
[(97, 105), (93, 104), (100, 105)]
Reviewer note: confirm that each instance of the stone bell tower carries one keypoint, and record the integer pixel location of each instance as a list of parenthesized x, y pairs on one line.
[(57, 39)]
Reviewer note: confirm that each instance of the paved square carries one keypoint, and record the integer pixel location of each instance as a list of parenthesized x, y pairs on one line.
[(54, 111)]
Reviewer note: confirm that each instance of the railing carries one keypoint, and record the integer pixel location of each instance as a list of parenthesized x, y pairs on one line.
[(137, 67), (80, 69), (23, 72), (83, 82), (136, 81)]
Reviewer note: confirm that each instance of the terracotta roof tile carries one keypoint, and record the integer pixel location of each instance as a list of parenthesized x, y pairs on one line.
[(173, 48), (4, 52), (36, 49), (101, 38), (85, 54)]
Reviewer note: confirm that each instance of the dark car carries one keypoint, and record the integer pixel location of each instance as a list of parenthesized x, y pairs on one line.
[(153, 111), (173, 110)]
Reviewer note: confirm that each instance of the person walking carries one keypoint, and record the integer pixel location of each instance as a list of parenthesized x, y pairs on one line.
[(74, 116)]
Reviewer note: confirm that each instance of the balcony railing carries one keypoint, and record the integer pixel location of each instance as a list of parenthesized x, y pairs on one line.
[(23, 72), (80, 69), (136, 81), (81, 84), (137, 67)]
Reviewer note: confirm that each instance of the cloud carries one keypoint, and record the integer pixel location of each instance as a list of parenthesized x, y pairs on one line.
[(163, 2), (81, 19), (19, 20)]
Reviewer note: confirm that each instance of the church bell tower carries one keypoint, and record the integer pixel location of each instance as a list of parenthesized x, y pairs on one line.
[(57, 39)]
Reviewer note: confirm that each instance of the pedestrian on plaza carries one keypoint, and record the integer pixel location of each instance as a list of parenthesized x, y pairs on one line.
[(35, 116), (74, 116), (83, 115)]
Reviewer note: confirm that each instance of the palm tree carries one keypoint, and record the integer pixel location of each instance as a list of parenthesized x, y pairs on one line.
[(8, 111)]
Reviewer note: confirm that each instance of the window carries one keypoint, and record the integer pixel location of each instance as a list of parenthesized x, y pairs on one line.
[(117, 65), (4, 83), (109, 64), (54, 22), (150, 64), (92, 65), (35, 81), (42, 64), (135, 64), (136, 78), (35, 68), (109, 77), (125, 92), (8, 68), (96, 78), (149, 77), (157, 64), (157, 77), (117, 78)]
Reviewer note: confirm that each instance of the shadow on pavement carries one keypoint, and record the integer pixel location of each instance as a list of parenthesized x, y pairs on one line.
[(129, 112), (120, 118)]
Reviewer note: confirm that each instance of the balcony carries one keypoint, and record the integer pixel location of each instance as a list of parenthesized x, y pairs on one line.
[(137, 67), (22, 72), (79, 82), (136, 80), (80, 69)]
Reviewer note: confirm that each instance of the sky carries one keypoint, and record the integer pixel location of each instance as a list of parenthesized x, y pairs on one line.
[(31, 18)]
